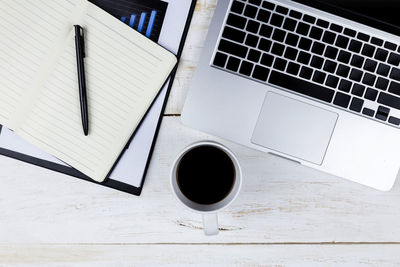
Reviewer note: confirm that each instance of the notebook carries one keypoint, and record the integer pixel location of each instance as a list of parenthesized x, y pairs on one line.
[(38, 81)]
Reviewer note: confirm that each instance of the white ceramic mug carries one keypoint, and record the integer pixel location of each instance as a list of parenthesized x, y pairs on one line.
[(209, 212)]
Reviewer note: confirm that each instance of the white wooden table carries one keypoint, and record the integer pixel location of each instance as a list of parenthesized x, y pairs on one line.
[(286, 214)]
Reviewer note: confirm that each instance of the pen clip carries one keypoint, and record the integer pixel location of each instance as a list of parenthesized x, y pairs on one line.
[(82, 36)]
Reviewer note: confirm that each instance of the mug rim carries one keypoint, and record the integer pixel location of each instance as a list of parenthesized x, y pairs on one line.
[(237, 183)]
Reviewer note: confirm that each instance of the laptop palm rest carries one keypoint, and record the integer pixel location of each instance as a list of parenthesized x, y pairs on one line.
[(294, 128)]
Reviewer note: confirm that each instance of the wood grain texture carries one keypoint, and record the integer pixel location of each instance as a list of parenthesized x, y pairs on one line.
[(200, 255)]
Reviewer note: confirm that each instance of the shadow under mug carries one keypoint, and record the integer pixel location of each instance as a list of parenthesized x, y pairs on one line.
[(209, 211)]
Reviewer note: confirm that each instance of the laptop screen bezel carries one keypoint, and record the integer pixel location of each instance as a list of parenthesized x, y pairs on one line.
[(345, 13)]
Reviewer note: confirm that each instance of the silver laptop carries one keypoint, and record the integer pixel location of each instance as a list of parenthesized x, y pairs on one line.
[(314, 81)]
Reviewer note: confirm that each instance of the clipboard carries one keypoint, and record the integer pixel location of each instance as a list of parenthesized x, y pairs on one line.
[(149, 127)]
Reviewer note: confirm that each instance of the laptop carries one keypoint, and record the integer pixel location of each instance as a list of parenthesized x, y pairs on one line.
[(314, 81)]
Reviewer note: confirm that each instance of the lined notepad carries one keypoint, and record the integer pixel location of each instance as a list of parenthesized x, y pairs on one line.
[(39, 96)]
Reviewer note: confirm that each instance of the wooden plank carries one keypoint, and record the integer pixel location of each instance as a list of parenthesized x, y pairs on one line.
[(200, 255), (191, 54), (280, 202)]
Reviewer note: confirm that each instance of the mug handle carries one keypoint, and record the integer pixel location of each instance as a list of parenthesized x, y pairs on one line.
[(210, 223)]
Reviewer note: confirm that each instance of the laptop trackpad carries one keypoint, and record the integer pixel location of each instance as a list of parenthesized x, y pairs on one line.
[(294, 128)]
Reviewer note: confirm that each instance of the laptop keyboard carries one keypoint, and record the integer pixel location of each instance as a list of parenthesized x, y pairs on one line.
[(312, 57)]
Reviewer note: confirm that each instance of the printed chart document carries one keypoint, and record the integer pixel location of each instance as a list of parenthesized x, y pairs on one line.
[(39, 87), (168, 27)]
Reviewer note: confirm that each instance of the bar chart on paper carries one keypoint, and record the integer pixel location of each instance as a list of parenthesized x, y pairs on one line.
[(144, 16)]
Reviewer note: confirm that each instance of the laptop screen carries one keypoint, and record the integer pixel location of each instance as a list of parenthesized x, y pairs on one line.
[(381, 14)]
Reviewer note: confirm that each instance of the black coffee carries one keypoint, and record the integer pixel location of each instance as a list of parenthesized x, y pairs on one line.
[(206, 175)]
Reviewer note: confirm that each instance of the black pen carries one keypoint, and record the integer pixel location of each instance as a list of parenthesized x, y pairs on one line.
[(80, 55)]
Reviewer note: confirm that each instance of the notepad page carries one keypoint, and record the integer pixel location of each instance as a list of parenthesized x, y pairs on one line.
[(28, 30), (124, 72)]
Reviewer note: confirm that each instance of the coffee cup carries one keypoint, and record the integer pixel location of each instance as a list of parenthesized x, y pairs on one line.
[(206, 178)]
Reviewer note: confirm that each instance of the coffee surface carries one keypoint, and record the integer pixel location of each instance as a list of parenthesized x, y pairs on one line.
[(206, 175)]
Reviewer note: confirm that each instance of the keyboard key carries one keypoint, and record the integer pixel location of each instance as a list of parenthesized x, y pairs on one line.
[(330, 66), (254, 55), (276, 20), (390, 46), (331, 52), (357, 61), (371, 94), (304, 58), (237, 7), (368, 50), (267, 60), (306, 73), (332, 81), (295, 14), (368, 112), (279, 35), (329, 37), (336, 28), (292, 39), (363, 36), (369, 79), (293, 68), (318, 48), (305, 43), (382, 113), (342, 41), (383, 69), (263, 15), (282, 10), (358, 90), (355, 46), (290, 24), (317, 62), (233, 64), (250, 11), (389, 100), (233, 48), (266, 31), (350, 32), (291, 53), (381, 54), (236, 21), (268, 5), (394, 59), (355, 75), (255, 2), (343, 70), (395, 74), (246, 68), (382, 83), (394, 88), (280, 64), (376, 41), (394, 120), (253, 26), (342, 100), (265, 45), (356, 104), (344, 56), (316, 33), (323, 23), (319, 77), (370, 65), (302, 28), (260, 73), (309, 19), (301, 86), (252, 40), (220, 59), (345, 85), (233, 34), (277, 49)]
